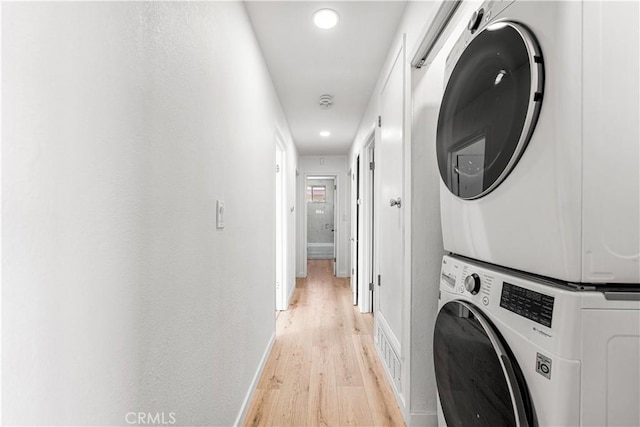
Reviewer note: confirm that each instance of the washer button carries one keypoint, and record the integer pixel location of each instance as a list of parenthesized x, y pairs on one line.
[(485, 300), (487, 16)]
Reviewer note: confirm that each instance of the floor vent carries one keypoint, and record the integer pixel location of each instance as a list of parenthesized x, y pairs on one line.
[(390, 357)]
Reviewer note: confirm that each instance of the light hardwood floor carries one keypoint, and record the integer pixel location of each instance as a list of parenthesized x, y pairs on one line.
[(323, 369)]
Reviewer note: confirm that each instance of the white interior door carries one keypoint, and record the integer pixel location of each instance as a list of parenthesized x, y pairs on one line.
[(390, 202)]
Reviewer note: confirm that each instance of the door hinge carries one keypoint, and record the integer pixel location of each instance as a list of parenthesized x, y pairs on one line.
[(335, 187), (379, 282), (371, 286), (277, 168), (379, 121), (372, 165)]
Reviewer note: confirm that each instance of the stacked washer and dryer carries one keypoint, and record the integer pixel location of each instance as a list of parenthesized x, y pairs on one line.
[(539, 154)]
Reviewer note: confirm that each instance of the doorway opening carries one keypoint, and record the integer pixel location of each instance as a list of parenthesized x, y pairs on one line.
[(320, 200), (364, 230)]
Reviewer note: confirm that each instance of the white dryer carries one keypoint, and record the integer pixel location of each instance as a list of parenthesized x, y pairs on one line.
[(516, 350), (538, 140)]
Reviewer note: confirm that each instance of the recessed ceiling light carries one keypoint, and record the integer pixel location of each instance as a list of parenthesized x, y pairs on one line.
[(325, 133), (325, 18)]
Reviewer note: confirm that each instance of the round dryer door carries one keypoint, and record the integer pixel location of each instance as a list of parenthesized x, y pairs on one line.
[(489, 109), (479, 382)]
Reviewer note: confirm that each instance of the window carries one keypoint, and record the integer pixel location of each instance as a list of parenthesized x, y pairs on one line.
[(316, 193), (489, 110)]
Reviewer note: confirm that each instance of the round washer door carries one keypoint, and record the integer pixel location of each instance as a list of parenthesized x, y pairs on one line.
[(489, 109), (479, 382)]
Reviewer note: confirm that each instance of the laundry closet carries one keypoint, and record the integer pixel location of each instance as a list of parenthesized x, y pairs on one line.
[(539, 159)]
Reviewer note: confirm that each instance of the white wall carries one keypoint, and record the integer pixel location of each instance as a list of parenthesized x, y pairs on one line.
[(323, 165), (417, 398), (122, 125)]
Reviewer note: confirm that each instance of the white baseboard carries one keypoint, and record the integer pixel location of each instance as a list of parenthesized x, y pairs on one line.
[(394, 386), (252, 388), (428, 419)]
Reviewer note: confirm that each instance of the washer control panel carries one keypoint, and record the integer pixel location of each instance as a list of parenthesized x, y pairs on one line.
[(527, 303), (494, 290)]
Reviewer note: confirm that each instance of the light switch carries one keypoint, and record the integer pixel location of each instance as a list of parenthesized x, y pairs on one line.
[(219, 214)]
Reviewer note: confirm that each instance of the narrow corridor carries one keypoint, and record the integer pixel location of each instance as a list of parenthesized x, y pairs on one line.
[(323, 368)]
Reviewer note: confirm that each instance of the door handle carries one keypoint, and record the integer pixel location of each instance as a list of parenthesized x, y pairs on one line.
[(397, 202)]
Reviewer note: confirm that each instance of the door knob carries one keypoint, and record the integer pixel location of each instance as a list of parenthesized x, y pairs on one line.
[(397, 202)]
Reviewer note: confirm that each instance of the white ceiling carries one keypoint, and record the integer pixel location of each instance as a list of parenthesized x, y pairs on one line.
[(306, 62)]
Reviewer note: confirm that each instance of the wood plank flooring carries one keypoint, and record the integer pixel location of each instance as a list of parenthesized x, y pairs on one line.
[(323, 369)]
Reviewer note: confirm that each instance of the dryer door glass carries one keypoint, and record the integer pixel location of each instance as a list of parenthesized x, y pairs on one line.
[(489, 109), (479, 382)]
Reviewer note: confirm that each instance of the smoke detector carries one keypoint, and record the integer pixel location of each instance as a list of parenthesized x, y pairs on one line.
[(326, 102)]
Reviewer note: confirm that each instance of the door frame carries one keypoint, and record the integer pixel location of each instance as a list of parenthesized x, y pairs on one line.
[(355, 175), (366, 223), (280, 225), (336, 216)]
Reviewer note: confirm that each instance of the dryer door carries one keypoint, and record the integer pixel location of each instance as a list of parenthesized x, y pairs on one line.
[(479, 382), (489, 109)]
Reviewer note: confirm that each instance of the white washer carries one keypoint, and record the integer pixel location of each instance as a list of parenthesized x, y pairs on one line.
[(511, 349), (538, 140)]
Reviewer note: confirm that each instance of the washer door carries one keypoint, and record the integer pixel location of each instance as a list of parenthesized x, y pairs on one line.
[(479, 382), (489, 109)]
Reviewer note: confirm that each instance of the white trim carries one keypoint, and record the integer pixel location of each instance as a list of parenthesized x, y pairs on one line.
[(397, 393), (365, 265), (254, 384), (281, 240), (354, 175), (407, 220), (410, 418), (291, 292), (391, 336), (423, 419)]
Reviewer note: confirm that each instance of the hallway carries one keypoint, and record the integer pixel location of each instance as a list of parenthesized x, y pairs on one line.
[(323, 368)]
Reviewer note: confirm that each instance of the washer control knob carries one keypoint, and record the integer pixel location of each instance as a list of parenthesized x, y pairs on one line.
[(475, 21), (472, 283)]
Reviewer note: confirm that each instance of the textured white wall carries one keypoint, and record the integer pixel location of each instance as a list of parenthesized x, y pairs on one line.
[(122, 125), (328, 165)]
